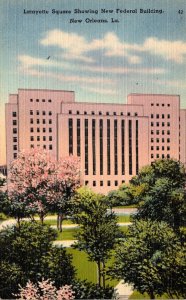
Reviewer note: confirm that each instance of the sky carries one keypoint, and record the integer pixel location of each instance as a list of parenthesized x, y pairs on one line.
[(85, 52)]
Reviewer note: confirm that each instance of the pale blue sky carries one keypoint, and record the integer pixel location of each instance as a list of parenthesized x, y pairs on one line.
[(103, 62)]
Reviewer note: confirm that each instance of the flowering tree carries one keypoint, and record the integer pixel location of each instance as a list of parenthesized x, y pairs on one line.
[(39, 183), (45, 290)]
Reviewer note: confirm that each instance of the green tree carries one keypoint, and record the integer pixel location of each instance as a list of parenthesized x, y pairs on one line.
[(98, 229), (163, 197), (30, 253), (152, 259)]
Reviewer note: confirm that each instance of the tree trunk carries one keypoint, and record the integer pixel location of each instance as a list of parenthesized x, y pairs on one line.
[(99, 273), (18, 222), (59, 221), (103, 271), (41, 217), (151, 294)]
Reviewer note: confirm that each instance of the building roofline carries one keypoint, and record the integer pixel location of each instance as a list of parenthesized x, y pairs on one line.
[(98, 103), (140, 94), (21, 89)]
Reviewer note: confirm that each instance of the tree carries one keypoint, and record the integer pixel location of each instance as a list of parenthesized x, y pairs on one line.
[(163, 197), (38, 183), (152, 259), (27, 253), (98, 229), (45, 290)]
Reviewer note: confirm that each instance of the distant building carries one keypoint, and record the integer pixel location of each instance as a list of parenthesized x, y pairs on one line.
[(113, 140), (3, 170)]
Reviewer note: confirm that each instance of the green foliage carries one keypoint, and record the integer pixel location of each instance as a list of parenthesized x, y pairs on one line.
[(98, 230), (150, 258), (29, 250)]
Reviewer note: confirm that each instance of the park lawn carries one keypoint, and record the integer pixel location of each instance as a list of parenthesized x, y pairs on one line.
[(87, 269), (54, 222), (127, 206), (123, 218), (67, 234)]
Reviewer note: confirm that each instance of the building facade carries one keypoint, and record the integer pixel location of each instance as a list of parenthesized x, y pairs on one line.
[(113, 141)]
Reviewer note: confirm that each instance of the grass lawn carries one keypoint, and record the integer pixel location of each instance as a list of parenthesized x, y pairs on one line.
[(67, 234), (123, 218), (126, 206), (54, 222), (85, 268)]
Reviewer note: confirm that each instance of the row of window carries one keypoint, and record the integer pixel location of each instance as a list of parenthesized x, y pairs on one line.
[(101, 182), (39, 112), (158, 155), (101, 113), (162, 104), (158, 148), (158, 132), (40, 100), (14, 114), (158, 140), (38, 121), (38, 129), (158, 124), (160, 116), (50, 147), (38, 138)]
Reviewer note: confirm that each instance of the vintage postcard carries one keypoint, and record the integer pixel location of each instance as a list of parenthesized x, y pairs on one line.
[(93, 147)]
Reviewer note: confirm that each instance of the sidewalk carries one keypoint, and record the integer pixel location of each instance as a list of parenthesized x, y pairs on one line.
[(124, 290)]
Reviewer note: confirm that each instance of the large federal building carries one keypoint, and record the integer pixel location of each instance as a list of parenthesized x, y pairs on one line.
[(113, 141)]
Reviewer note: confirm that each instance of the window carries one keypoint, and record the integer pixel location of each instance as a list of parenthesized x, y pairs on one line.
[(70, 112), (37, 100), (168, 116), (31, 121), (152, 104), (135, 113), (50, 147), (152, 116), (101, 183), (38, 121), (137, 154), (14, 122), (108, 147), (123, 147), (70, 135), (163, 140), (168, 104), (152, 140), (157, 132), (31, 129), (163, 124), (114, 113), (168, 132), (152, 124), (121, 113), (15, 155), (168, 148), (128, 114), (101, 145), (94, 183), (44, 129), (115, 147), (86, 146), (14, 130), (152, 132), (168, 140), (43, 100), (85, 112), (92, 113), (168, 124), (94, 146), (44, 138), (152, 155), (107, 113), (14, 114), (157, 124), (152, 148), (78, 137), (163, 116), (157, 116), (108, 183), (100, 113), (32, 138), (50, 129), (116, 183), (44, 121), (86, 182), (157, 140), (31, 113), (50, 113), (157, 155), (77, 112), (37, 112), (50, 121), (163, 156), (31, 146), (163, 104), (15, 147), (157, 104), (157, 148), (31, 100), (15, 139), (50, 138), (163, 148), (168, 155), (44, 146), (43, 113), (163, 132), (38, 138), (38, 129), (49, 100), (130, 146)]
